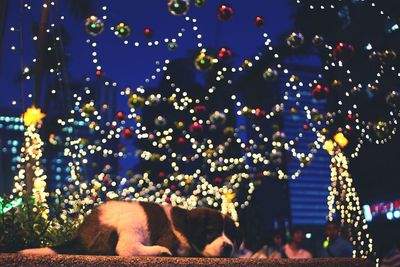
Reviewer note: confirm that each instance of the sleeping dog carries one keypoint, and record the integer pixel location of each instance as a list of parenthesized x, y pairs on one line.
[(148, 229)]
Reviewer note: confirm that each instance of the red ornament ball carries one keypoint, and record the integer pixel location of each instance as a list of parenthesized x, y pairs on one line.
[(99, 73), (224, 54), (343, 51), (148, 33), (218, 180), (196, 128), (259, 21), (181, 140), (120, 116), (200, 109), (320, 92), (225, 12), (127, 133)]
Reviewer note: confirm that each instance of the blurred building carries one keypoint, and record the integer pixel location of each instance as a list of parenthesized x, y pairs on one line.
[(308, 193)]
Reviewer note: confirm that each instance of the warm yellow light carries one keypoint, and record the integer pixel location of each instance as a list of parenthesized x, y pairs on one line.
[(33, 116), (329, 146), (230, 196), (341, 140)]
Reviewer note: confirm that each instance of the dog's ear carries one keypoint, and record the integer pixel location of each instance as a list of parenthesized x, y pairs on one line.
[(196, 223), (233, 232), (180, 218)]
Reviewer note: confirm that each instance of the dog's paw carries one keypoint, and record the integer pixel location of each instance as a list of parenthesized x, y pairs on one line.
[(164, 252)]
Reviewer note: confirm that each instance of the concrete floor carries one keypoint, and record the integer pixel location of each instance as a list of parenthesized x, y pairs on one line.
[(75, 260)]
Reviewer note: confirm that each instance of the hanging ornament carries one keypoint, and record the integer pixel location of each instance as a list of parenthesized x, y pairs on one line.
[(316, 115), (94, 26), (196, 128), (343, 51), (278, 136), (200, 109), (355, 90), (148, 33), (122, 30), (135, 101), (320, 92), (179, 124), (127, 133), (317, 40), (160, 121), (99, 73), (293, 110), (120, 116), (381, 129), (178, 7), (224, 54), (172, 45), (276, 157), (88, 109), (218, 118), (295, 40), (375, 57), (181, 140), (393, 99), (199, 3), (270, 74), (204, 62), (154, 100), (54, 139), (225, 12), (218, 180), (373, 88), (229, 131), (259, 21), (388, 57), (336, 83), (259, 113)]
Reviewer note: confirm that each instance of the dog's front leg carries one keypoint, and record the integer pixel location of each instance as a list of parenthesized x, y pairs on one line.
[(128, 247)]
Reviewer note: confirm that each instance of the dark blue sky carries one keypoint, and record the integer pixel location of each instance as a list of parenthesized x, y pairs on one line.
[(129, 65)]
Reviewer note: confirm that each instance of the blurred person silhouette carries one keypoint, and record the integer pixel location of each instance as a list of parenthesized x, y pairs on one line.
[(293, 249), (335, 246), (271, 251)]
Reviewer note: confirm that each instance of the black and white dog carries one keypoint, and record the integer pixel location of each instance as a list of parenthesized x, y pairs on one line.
[(148, 229)]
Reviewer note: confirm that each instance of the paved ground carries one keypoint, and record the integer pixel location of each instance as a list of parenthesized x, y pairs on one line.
[(69, 260)]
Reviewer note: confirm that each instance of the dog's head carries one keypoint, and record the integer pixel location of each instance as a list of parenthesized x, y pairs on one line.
[(212, 234)]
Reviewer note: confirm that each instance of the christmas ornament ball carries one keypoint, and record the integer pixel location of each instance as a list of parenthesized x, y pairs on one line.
[(122, 30), (393, 99), (135, 101), (178, 7), (218, 118), (94, 26), (259, 21), (199, 3), (295, 40), (225, 12), (127, 133), (320, 92), (343, 51), (224, 54), (317, 40), (270, 74), (204, 62), (160, 121)]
